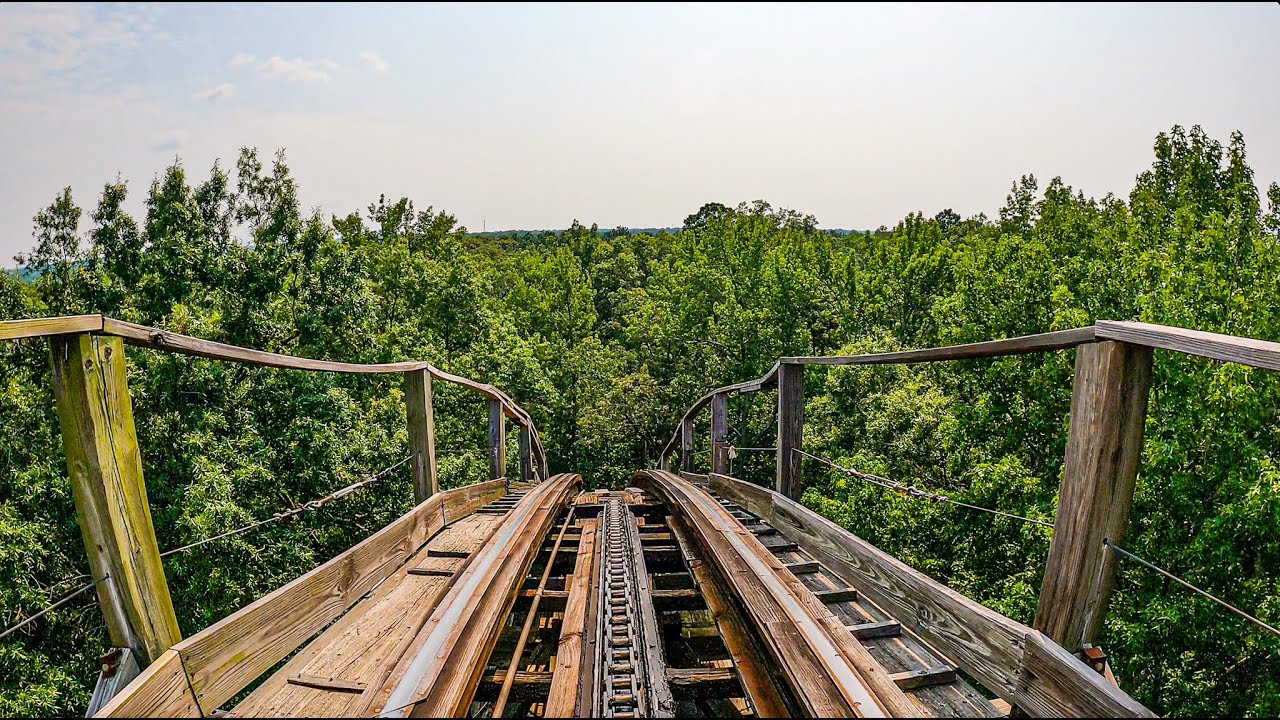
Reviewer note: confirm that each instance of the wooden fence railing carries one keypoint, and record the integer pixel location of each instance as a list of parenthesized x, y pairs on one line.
[(96, 417), (1108, 412)]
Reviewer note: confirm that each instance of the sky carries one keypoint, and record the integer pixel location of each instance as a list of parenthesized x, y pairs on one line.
[(532, 116)]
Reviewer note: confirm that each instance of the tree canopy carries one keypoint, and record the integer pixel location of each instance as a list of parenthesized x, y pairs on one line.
[(606, 336)]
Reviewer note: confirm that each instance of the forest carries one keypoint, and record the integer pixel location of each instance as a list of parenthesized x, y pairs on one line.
[(606, 336)]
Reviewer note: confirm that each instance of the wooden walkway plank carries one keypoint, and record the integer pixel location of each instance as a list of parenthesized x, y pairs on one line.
[(358, 646)]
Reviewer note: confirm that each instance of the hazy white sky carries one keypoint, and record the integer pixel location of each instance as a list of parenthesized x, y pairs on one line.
[(532, 116)]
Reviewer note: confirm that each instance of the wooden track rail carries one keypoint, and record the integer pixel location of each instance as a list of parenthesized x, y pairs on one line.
[(438, 676), (1016, 662), (830, 674)]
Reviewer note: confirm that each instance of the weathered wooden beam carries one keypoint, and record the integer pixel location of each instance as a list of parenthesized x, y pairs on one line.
[(1058, 340), (807, 567), (1226, 348), (526, 455), (790, 429), (928, 677), (41, 327), (565, 694), (838, 595), (157, 339), (105, 467), (1104, 444), (422, 433), (161, 690), (870, 630), (720, 433), (705, 682), (497, 441), (686, 444), (330, 684)]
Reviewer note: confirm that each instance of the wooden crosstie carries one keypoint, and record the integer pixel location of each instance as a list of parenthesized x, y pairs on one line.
[(686, 594)]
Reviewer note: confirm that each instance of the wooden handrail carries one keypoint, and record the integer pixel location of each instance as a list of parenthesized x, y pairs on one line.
[(1215, 346), (1043, 342), (44, 327), (166, 341)]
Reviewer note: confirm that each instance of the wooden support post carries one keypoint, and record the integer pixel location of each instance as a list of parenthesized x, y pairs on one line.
[(422, 433), (790, 428), (526, 455), (686, 445), (497, 441), (1104, 444), (720, 433), (111, 499)]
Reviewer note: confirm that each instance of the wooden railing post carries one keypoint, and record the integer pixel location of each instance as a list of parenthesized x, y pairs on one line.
[(686, 445), (720, 433), (790, 428), (111, 499), (422, 433), (1104, 444), (526, 455), (497, 440)]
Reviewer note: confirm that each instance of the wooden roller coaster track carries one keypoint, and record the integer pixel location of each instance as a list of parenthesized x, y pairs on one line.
[(683, 595)]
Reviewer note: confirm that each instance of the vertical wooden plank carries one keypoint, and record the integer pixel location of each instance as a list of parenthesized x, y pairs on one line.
[(105, 467), (686, 445), (497, 441), (1104, 444), (720, 433), (572, 664), (790, 428), (422, 433), (526, 455)]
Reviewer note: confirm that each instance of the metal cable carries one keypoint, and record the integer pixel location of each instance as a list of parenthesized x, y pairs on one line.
[(67, 598), (1232, 608), (915, 492), (313, 505)]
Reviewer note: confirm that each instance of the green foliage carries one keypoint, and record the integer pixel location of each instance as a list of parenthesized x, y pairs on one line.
[(607, 335)]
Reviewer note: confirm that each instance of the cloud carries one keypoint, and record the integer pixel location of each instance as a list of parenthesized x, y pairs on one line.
[(375, 61), (47, 46), (173, 140), (298, 69), (214, 93), (241, 60)]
